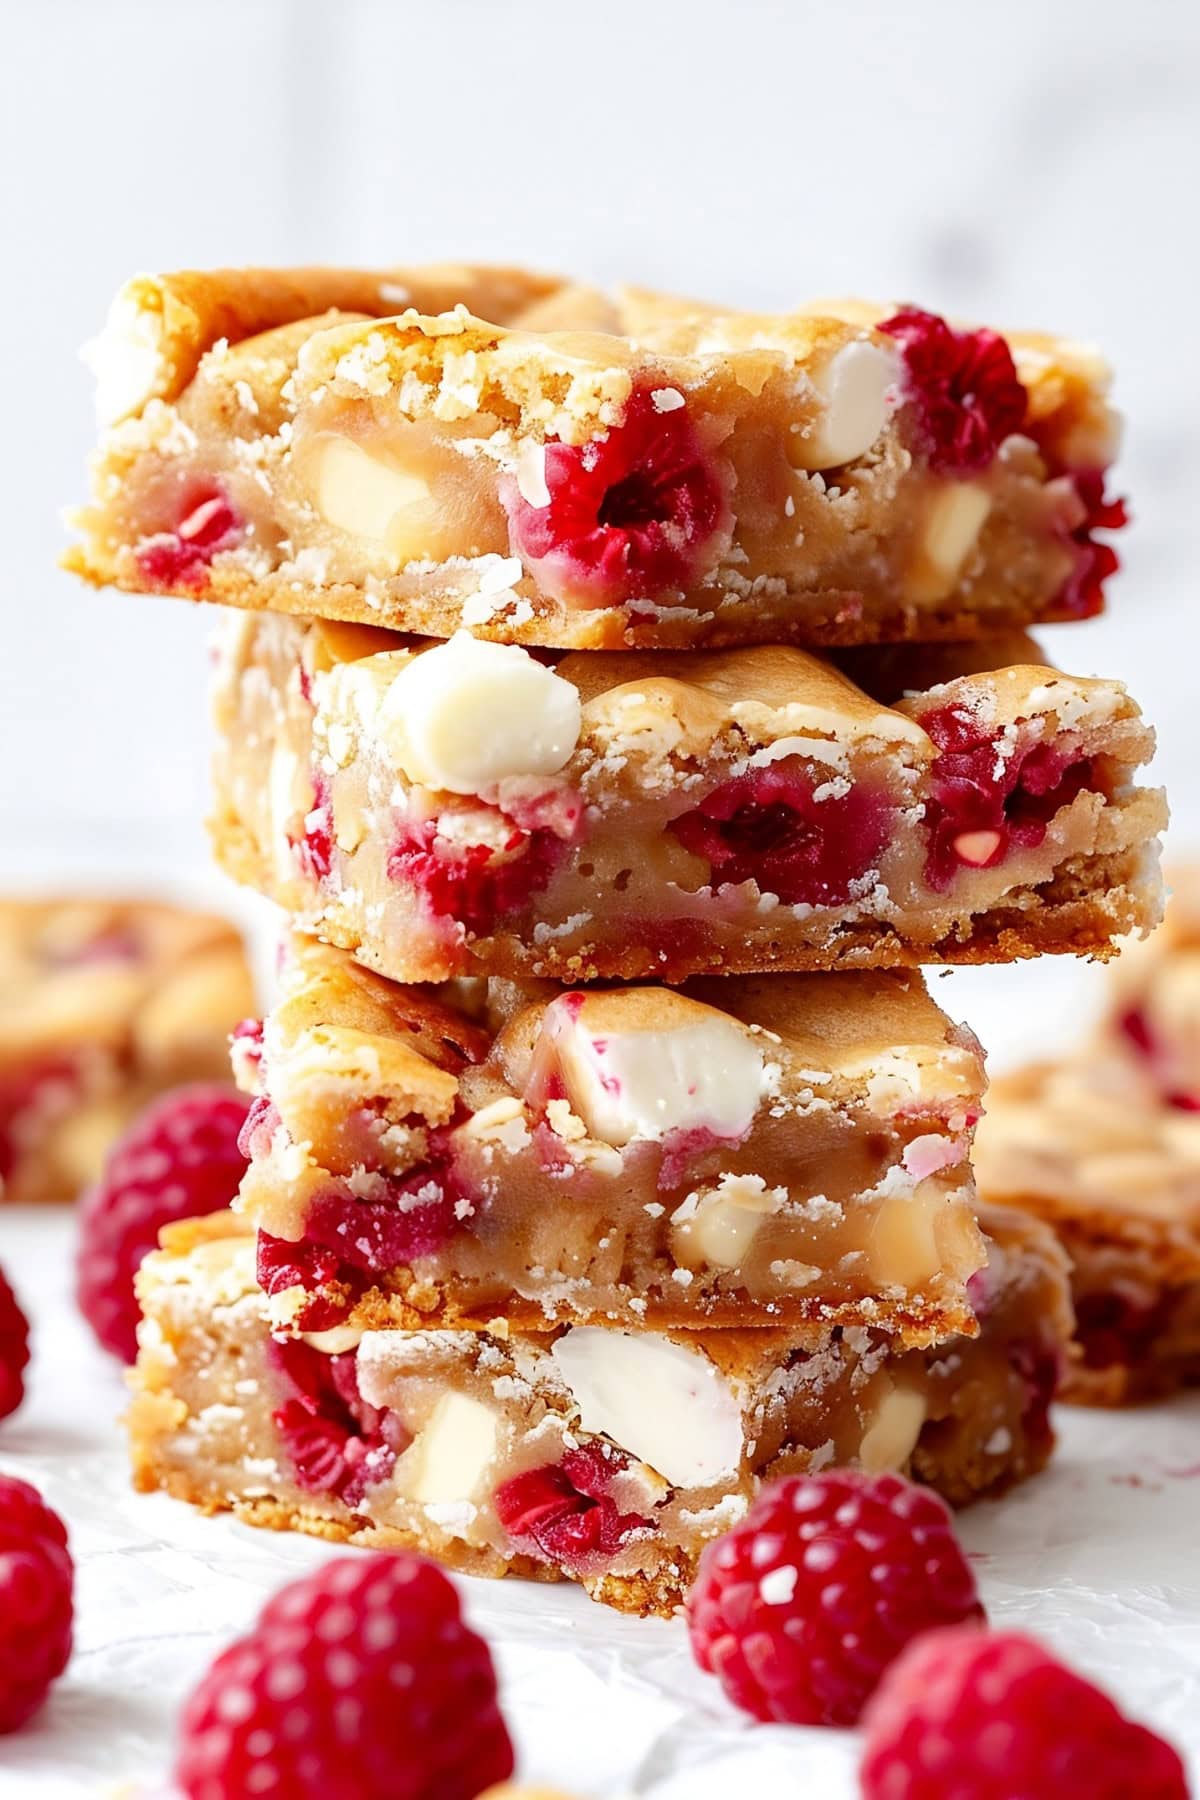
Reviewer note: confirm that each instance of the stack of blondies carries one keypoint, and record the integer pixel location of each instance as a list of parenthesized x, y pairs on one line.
[(624, 698)]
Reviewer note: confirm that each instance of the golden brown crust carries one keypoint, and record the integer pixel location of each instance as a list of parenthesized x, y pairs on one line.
[(184, 314)]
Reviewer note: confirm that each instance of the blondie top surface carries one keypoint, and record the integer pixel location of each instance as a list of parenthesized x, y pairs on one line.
[(546, 465), (601, 1456), (784, 1149), (443, 808), (1093, 1146), (103, 1003)]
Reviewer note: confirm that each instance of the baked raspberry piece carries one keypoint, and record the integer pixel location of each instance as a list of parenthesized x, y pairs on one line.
[(472, 883), (313, 847), (337, 1443), (179, 1159), (564, 1511), (360, 1682), (986, 795), (800, 1608), (641, 511), (36, 1601), (14, 1349), (964, 387), (331, 1285), (988, 1715), (1083, 595), (180, 556), (768, 826)]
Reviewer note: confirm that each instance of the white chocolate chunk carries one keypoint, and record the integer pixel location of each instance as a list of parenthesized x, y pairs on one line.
[(371, 498), (854, 386), (953, 521), (470, 713), (717, 1228), (126, 359), (627, 1083), (336, 1341), (668, 1406), (448, 1459), (892, 1435)]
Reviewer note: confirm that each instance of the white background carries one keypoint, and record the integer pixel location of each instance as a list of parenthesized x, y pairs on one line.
[(1036, 163)]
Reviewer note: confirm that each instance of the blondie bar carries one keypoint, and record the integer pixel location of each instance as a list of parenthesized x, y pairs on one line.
[(549, 467), (102, 1005), (784, 1149), (596, 1455), (1091, 1146), (443, 808)]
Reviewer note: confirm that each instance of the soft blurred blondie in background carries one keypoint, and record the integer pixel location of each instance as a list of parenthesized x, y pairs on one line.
[(1030, 165)]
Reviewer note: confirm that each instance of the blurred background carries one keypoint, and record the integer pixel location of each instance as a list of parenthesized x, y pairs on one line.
[(1028, 164)]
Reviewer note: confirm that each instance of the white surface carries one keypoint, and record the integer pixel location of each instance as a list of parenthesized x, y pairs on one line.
[(1097, 1555)]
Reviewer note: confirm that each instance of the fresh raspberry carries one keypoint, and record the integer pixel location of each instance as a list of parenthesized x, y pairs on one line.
[(967, 1714), (641, 511), (801, 1607), (768, 826), (564, 1511), (985, 797), (336, 1442), (178, 1159), (1082, 597), (964, 387), (181, 555), (361, 1682), (14, 1349), (36, 1608)]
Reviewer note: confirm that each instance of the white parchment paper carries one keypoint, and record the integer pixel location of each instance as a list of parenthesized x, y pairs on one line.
[(1099, 1556)]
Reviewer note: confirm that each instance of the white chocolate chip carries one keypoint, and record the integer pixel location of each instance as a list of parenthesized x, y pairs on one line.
[(630, 1083), (668, 1406), (977, 848), (470, 713), (854, 387), (372, 498), (447, 1460), (892, 1435)]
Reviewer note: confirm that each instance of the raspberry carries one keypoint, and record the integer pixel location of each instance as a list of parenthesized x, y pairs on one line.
[(178, 1159), (332, 1286), (967, 1714), (802, 1606), (1082, 597), (984, 798), (564, 1512), (336, 1442), (964, 387), (640, 510), (1118, 1328), (360, 1682), (36, 1607), (14, 1350), (313, 848), (768, 827), (30, 1102), (180, 556), (471, 882)]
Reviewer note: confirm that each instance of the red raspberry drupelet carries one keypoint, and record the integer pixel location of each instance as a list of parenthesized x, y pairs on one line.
[(964, 387)]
